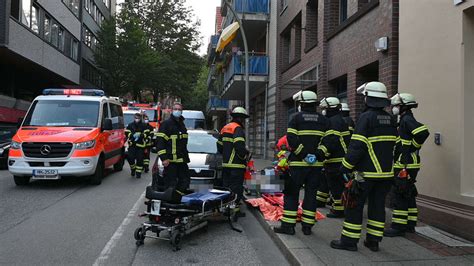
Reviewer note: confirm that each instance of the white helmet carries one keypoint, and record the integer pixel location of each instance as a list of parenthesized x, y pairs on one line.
[(404, 99), (330, 102), (305, 97), (373, 89), (345, 107), (239, 112)]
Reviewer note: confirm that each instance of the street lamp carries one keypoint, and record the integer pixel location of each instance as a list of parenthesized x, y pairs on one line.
[(246, 51)]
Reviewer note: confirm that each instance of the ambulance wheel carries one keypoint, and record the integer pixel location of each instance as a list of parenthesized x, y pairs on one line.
[(119, 165), (21, 180), (96, 178), (176, 240)]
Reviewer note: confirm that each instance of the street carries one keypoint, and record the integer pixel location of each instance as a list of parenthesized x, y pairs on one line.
[(70, 222)]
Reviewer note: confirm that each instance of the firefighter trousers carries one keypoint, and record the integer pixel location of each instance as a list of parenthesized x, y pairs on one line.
[(299, 176), (405, 212), (375, 192), (146, 157), (336, 185), (177, 175), (322, 194), (233, 179), (135, 158)]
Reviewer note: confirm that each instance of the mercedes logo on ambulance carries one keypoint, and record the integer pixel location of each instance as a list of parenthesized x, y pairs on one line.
[(45, 150)]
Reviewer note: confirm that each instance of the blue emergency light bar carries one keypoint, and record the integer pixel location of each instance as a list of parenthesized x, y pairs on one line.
[(85, 92)]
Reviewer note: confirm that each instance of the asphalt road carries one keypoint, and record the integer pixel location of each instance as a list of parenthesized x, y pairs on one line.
[(70, 222)]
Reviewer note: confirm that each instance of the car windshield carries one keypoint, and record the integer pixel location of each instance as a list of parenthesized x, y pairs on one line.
[(202, 143), (191, 123), (7, 133), (63, 113), (151, 114), (128, 118)]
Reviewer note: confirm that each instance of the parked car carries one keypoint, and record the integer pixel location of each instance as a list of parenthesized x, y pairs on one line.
[(194, 119), (6, 135), (205, 166)]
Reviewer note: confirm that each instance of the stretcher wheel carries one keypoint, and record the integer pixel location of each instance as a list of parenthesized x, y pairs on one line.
[(139, 235), (176, 240)]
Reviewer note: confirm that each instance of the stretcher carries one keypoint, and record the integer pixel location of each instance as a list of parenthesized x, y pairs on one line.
[(171, 216)]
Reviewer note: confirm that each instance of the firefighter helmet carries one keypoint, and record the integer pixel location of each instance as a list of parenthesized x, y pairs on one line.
[(330, 102), (239, 112), (305, 97), (345, 107), (373, 89), (404, 99)]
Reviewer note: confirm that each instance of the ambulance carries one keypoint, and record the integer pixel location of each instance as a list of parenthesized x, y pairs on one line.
[(68, 132)]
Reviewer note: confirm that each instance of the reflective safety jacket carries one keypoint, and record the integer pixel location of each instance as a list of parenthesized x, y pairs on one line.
[(371, 150), (149, 130), (333, 146), (172, 141), (136, 134), (412, 136), (231, 145), (304, 134)]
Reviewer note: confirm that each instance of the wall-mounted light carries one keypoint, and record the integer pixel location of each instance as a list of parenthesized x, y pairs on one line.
[(381, 44), (457, 2)]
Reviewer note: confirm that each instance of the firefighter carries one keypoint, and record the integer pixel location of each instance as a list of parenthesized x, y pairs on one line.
[(231, 144), (149, 143), (305, 130), (136, 137), (333, 148), (370, 153), (346, 115), (412, 136), (172, 141)]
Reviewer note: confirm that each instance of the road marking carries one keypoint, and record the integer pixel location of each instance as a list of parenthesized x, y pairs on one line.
[(132, 214)]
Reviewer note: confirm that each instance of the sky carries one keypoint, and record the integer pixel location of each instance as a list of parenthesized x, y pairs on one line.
[(204, 10)]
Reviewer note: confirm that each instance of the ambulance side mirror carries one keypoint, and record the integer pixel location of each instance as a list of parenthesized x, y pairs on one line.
[(107, 124)]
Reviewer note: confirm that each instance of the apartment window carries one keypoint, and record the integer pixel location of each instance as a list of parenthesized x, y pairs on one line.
[(47, 28), (54, 34), (342, 10), (35, 19), (73, 5), (61, 39), (87, 5), (311, 27), (74, 49), (15, 9), (26, 12), (283, 5)]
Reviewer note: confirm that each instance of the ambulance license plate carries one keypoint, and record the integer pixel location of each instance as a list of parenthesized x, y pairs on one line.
[(45, 174), (155, 207)]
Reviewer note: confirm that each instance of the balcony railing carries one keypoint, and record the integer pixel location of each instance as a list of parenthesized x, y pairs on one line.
[(258, 66), (246, 7), (215, 102)]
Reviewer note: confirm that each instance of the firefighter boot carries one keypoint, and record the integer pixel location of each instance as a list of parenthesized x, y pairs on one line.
[(147, 169), (372, 245), (410, 229), (287, 230), (338, 244), (392, 232), (306, 230), (333, 214), (132, 173), (138, 175)]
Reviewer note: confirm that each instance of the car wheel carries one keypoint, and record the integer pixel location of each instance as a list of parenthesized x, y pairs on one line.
[(96, 178), (21, 180), (119, 165)]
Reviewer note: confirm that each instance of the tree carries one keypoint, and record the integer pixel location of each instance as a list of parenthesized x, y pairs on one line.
[(196, 99)]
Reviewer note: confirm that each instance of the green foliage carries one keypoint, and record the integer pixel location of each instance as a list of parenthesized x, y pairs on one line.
[(196, 99)]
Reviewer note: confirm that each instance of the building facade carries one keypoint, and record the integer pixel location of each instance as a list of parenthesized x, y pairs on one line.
[(437, 66), (41, 44)]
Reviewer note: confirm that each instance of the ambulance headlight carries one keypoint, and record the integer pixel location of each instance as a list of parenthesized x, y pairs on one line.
[(15, 145), (85, 145)]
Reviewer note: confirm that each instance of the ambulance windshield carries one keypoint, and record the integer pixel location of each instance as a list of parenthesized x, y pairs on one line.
[(63, 113)]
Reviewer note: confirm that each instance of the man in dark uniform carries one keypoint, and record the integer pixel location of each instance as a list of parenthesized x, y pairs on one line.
[(370, 153), (172, 141), (149, 142), (346, 115), (136, 139)]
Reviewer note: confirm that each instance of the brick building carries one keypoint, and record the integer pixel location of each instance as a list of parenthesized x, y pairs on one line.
[(329, 46)]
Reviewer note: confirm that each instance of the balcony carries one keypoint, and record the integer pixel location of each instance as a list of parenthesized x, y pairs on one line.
[(211, 49), (253, 13), (216, 105), (234, 76)]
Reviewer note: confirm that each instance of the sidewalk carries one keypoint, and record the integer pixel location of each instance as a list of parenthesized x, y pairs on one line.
[(413, 249)]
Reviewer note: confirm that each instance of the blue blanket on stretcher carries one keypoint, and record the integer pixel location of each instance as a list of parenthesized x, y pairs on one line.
[(198, 198)]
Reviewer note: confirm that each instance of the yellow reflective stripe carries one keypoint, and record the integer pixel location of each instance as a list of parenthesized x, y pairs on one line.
[(412, 218), (292, 131), (337, 201), (374, 159), (226, 139), (399, 221), (325, 150), (413, 210), (352, 226), (173, 146), (162, 135), (351, 235), (288, 220), (177, 160), (322, 199), (140, 145), (405, 142), (347, 165), (305, 164), (376, 224), (320, 193), (360, 138), (232, 155), (287, 212), (337, 133), (343, 144), (219, 142), (310, 133), (338, 208), (231, 165), (239, 139), (309, 213), (299, 149), (399, 212), (382, 138), (415, 144), (415, 158), (307, 220), (161, 152), (374, 232), (419, 129), (378, 175), (334, 160)]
